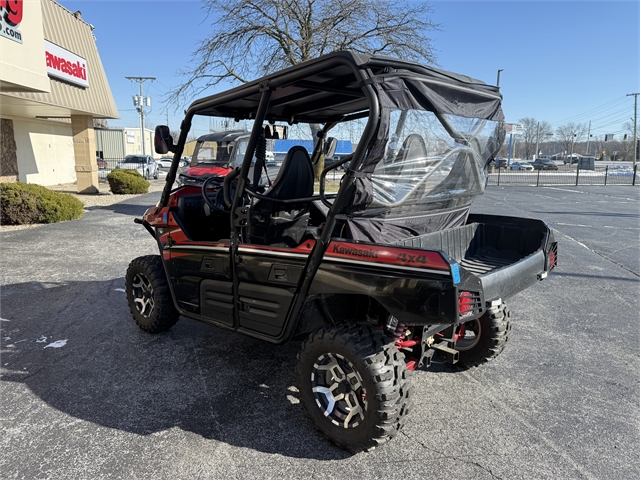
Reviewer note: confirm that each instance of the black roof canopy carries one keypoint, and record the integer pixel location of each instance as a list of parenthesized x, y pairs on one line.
[(329, 87)]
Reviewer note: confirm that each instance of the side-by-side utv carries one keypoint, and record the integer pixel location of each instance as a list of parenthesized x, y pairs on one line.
[(377, 277)]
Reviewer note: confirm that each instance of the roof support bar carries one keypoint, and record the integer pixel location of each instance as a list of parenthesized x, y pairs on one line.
[(256, 131)]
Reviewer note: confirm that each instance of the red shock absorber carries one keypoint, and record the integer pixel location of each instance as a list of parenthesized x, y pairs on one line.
[(399, 333)]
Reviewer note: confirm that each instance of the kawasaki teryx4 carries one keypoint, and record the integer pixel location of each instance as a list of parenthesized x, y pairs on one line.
[(377, 277)]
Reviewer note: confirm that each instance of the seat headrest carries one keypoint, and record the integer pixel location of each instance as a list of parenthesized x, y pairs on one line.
[(295, 177)]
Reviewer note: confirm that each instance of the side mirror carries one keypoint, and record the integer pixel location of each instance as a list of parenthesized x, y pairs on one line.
[(163, 142), (329, 147)]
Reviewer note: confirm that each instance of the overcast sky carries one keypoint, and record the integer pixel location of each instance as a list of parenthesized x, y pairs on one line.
[(562, 61)]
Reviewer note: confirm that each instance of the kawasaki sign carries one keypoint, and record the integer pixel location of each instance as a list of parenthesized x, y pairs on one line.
[(10, 18), (65, 65)]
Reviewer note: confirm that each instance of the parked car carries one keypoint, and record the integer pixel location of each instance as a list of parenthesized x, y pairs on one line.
[(500, 163), (270, 160), (336, 158), (165, 162), (544, 164), (521, 166), (144, 164)]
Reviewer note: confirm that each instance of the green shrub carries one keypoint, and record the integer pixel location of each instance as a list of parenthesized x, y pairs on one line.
[(127, 181), (24, 203)]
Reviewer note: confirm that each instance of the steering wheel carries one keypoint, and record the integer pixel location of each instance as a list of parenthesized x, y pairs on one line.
[(218, 205), (227, 189)]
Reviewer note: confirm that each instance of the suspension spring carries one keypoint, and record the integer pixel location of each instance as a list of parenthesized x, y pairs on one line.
[(399, 333)]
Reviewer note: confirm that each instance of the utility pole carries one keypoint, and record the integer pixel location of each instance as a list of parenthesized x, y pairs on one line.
[(140, 102), (635, 127), (498, 82), (588, 138)]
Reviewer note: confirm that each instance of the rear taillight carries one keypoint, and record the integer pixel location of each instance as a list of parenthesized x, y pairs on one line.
[(553, 256), (465, 304)]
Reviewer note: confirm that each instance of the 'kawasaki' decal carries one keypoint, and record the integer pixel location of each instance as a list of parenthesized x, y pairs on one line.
[(379, 254), (357, 252)]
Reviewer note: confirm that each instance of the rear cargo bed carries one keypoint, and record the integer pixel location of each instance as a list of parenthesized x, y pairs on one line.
[(506, 253)]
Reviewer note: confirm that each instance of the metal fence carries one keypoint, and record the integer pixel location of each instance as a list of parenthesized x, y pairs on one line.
[(566, 175)]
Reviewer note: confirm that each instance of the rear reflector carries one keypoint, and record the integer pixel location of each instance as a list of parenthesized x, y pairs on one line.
[(465, 304)]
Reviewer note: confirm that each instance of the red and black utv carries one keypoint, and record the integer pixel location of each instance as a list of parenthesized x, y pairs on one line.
[(377, 277), (215, 154)]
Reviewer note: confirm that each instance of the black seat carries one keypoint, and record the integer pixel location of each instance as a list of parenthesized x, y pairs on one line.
[(412, 156), (283, 224)]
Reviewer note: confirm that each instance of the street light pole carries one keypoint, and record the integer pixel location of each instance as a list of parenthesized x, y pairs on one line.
[(535, 156), (635, 127), (498, 82)]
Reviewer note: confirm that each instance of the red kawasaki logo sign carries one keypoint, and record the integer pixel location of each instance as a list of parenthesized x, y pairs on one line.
[(10, 17), (65, 65)]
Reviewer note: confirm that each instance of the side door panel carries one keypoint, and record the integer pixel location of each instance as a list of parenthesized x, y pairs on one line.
[(201, 281), (268, 283)]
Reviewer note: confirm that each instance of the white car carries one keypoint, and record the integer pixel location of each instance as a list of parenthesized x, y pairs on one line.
[(165, 162), (144, 164), (521, 166)]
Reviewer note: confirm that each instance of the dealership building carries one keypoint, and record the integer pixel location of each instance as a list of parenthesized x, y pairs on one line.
[(53, 89)]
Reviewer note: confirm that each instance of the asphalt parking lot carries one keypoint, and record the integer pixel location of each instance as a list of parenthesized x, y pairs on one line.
[(86, 394)]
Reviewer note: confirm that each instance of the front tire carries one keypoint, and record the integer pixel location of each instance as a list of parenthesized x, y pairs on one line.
[(149, 296), (483, 339), (354, 385)]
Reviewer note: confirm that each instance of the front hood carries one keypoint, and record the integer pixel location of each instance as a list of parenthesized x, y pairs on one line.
[(206, 169)]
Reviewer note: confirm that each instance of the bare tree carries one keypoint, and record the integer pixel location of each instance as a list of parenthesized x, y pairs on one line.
[(534, 132), (570, 133), (250, 38)]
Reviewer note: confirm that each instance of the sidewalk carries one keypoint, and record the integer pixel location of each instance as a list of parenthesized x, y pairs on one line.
[(103, 199)]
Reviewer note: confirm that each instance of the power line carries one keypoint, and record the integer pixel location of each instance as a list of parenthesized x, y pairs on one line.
[(606, 106), (624, 111), (613, 121)]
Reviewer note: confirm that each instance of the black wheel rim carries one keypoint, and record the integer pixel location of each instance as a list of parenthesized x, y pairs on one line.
[(142, 295), (471, 335), (339, 390)]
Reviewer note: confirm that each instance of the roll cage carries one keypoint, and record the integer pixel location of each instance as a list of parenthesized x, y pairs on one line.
[(335, 88)]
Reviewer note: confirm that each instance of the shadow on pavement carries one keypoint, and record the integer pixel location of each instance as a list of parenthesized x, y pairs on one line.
[(123, 208), (216, 384)]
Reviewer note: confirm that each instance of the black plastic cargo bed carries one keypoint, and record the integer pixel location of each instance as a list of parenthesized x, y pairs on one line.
[(506, 253)]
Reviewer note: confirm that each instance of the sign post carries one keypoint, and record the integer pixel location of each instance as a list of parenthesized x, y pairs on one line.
[(513, 129)]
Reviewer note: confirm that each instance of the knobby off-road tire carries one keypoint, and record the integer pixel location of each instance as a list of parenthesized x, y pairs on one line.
[(354, 385), (485, 337), (148, 295)]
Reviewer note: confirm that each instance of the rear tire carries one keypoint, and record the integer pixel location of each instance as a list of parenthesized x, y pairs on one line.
[(354, 385), (149, 296), (485, 337)]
